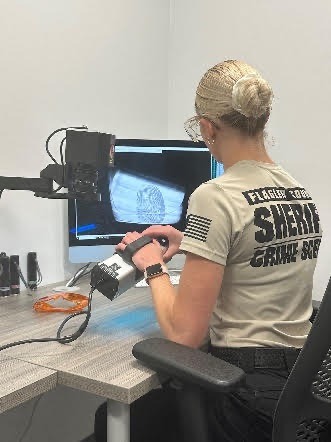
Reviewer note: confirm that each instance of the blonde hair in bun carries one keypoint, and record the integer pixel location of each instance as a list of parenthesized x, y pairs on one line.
[(235, 92), (251, 96)]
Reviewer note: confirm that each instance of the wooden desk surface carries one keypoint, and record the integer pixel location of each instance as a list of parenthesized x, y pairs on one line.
[(100, 361)]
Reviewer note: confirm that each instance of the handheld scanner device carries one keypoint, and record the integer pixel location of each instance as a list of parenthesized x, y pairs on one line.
[(118, 273)]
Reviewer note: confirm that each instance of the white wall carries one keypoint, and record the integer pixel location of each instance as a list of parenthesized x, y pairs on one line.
[(67, 62), (289, 42), (70, 62)]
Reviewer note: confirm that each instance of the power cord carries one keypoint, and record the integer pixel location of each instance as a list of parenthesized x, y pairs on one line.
[(28, 426), (83, 127), (81, 272), (63, 166), (62, 162), (61, 152), (20, 274), (63, 339), (40, 276), (98, 277), (55, 132)]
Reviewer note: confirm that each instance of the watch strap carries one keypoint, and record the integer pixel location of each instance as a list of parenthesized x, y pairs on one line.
[(134, 246)]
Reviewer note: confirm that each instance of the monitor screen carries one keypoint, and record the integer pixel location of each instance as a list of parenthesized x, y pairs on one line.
[(149, 183)]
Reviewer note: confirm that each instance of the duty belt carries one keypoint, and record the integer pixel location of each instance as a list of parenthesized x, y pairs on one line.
[(250, 358)]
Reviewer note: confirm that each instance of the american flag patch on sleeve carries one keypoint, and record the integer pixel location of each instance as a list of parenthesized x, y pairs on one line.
[(197, 227)]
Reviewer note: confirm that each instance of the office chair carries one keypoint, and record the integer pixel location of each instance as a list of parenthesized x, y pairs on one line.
[(303, 411)]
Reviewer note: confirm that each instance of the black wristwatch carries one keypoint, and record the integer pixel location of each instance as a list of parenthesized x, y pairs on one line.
[(154, 271)]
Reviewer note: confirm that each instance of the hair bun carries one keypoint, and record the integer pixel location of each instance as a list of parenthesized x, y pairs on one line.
[(251, 95)]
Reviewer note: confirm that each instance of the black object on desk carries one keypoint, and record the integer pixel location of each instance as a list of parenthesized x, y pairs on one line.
[(4, 275), (32, 270), (14, 261)]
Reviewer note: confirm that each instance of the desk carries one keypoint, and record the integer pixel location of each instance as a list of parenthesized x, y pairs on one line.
[(21, 381), (100, 361)]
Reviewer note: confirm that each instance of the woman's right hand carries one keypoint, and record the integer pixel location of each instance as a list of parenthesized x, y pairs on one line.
[(173, 235)]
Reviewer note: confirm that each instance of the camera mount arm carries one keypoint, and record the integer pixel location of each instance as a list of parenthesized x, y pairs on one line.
[(86, 154), (20, 183)]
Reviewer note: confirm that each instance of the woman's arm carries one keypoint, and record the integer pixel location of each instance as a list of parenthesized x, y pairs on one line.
[(173, 235), (184, 314)]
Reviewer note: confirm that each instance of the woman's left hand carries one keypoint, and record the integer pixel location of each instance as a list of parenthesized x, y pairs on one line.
[(147, 255)]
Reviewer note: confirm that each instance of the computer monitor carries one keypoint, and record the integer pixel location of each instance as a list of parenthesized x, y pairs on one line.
[(149, 183)]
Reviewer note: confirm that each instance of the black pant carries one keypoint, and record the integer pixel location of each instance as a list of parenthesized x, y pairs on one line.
[(243, 416), (247, 415)]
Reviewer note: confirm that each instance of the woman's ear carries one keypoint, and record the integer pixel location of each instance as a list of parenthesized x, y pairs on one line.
[(207, 130)]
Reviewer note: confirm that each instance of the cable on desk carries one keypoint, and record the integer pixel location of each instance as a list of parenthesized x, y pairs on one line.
[(81, 272), (20, 274), (40, 276), (28, 426), (63, 339)]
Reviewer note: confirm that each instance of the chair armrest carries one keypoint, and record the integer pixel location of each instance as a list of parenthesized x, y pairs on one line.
[(316, 306), (188, 365)]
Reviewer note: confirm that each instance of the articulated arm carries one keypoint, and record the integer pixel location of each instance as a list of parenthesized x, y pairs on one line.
[(87, 157)]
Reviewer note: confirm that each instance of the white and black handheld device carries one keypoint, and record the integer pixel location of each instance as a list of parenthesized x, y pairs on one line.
[(118, 273)]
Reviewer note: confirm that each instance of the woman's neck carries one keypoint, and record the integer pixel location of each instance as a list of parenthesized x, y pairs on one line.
[(235, 149)]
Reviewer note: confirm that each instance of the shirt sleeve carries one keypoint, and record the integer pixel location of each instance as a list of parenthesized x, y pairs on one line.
[(208, 224)]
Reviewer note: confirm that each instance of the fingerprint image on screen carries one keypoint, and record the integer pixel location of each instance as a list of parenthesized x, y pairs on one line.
[(141, 199)]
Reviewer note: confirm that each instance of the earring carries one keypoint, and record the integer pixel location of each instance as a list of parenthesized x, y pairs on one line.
[(211, 141)]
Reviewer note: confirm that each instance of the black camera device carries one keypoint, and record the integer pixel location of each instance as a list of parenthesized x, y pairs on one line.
[(87, 156)]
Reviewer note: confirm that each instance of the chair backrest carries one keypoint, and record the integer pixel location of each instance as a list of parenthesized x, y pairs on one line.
[(304, 408)]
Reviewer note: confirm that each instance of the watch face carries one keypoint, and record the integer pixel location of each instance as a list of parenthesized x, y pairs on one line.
[(154, 269)]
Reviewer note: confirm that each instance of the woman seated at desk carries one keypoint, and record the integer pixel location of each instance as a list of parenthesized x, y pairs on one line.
[(251, 244)]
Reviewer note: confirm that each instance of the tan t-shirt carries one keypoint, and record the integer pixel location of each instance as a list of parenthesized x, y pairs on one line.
[(258, 222)]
